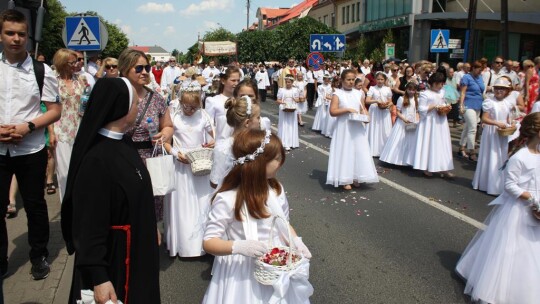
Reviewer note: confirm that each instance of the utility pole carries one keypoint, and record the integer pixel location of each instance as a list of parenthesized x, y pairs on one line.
[(470, 36), (247, 5), (504, 28)]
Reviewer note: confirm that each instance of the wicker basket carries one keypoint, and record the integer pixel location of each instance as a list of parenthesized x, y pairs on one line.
[(444, 110), (267, 274), (200, 160), (506, 131)]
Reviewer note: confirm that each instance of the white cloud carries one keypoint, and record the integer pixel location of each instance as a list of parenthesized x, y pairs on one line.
[(169, 30), (117, 21), (207, 5), (152, 7)]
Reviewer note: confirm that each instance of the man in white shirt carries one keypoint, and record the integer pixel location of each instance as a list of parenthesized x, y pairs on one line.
[(310, 88), (92, 66), (261, 77), (492, 75), (22, 137), (170, 73), (275, 79), (209, 73), (509, 70)]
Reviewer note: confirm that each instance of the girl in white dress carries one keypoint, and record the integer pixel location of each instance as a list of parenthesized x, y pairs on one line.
[(240, 220), (493, 147), (349, 161), (287, 98), (433, 149), (381, 121), (247, 88), (186, 208), (328, 126), (502, 263), (215, 105), (323, 102), (399, 148), (300, 84), (242, 113)]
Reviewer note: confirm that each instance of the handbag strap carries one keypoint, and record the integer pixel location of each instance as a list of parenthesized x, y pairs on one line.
[(138, 123)]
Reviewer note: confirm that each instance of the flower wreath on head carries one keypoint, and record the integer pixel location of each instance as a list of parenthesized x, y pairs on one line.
[(259, 151), (190, 88), (289, 78)]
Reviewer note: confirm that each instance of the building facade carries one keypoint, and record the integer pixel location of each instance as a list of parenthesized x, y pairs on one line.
[(157, 53)]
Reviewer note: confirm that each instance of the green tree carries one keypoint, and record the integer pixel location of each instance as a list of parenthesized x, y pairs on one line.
[(256, 46), (52, 29), (219, 34)]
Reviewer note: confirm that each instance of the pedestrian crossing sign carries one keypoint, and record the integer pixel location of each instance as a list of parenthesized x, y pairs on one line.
[(83, 33), (439, 41)]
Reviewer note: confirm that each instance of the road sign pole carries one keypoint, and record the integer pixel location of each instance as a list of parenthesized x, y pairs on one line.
[(437, 59), (84, 62)]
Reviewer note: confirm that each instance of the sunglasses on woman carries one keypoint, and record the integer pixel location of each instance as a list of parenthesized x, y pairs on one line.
[(139, 68), (111, 66)]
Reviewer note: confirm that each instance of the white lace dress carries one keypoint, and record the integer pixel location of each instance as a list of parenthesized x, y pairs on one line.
[(288, 121)]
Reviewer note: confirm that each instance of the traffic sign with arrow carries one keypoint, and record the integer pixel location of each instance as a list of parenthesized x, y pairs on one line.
[(326, 43)]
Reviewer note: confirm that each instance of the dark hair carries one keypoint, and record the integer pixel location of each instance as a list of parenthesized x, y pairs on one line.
[(226, 75), (441, 69), (437, 77), (12, 15), (247, 83), (406, 100), (477, 64)]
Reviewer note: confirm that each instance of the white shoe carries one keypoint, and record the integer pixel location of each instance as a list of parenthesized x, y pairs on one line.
[(287, 149)]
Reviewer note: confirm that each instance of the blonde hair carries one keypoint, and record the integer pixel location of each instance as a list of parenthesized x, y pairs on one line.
[(60, 61), (528, 63), (237, 111), (106, 61)]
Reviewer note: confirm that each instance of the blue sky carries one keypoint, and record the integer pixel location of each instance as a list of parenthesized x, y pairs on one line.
[(173, 24)]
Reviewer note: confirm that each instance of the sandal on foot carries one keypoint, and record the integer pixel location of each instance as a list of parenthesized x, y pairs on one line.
[(463, 153), (447, 174), (11, 209), (51, 189), (473, 157), (356, 184), (347, 187)]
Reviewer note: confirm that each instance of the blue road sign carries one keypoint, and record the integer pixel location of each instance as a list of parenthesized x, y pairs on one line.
[(439, 41), (83, 33), (316, 60), (326, 43)]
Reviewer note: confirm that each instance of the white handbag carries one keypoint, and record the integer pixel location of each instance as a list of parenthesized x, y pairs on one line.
[(161, 169)]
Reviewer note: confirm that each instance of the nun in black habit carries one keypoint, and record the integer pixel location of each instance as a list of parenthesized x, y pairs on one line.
[(108, 210)]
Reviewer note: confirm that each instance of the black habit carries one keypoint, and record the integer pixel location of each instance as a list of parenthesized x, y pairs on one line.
[(108, 212)]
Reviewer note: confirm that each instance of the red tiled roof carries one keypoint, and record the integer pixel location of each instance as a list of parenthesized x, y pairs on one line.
[(273, 12), (295, 11), (143, 49)]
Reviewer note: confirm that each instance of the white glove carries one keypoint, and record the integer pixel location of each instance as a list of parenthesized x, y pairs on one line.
[(249, 248), (301, 247)]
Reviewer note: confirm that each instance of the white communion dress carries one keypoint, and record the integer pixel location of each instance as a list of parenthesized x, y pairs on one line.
[(381, 120), (185, 209), (493, 149), (399, 148), (288, 121), (233, 281), (502, 263), (350, 159)]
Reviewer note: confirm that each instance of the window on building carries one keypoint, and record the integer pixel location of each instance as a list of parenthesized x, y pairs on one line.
[(391, 8), (407, 6), (333, 21), (358, 11), (320, 19), (352, 12), (382, 9), (325, 19), (348, 14), (343, 15)]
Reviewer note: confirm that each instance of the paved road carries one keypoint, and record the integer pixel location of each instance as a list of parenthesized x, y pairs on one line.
[(393, 242)]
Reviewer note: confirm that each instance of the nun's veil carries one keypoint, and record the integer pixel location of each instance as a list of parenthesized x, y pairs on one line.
[(110, 100)]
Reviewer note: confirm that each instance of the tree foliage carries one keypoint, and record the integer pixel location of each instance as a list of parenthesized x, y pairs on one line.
[(52, 29), (256, 46)]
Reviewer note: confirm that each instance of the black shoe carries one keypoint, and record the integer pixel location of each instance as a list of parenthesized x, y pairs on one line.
[(40, 269)]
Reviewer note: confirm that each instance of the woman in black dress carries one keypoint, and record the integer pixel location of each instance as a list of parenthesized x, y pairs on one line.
[(108, 212)]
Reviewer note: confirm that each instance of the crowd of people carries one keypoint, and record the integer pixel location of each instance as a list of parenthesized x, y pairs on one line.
[(95, 127)]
